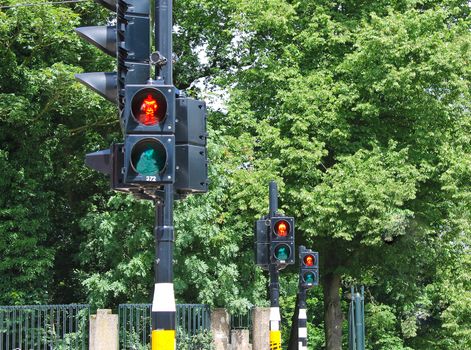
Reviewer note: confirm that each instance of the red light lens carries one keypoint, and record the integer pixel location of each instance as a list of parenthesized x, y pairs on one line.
[(282, 228), (148, 111), (309, 260), (149, 106)]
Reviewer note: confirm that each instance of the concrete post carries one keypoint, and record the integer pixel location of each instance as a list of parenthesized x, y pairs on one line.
[(220, 327), (240, 339), (261, 328), (104, 332)]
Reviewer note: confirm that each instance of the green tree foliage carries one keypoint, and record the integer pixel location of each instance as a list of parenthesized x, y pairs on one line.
[(47, 123), (360, 106)]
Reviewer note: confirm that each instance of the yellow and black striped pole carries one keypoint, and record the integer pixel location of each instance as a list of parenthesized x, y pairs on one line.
[(275, 333), (275, 317), (163, 303)]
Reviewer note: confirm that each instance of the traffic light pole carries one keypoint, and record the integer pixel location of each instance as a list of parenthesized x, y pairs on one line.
[(275, 317), (163, 305), (302, 319)]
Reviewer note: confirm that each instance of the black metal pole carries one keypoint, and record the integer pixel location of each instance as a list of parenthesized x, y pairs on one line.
[(275, 317), (273, 270), (163, 38), (273, 199), (163, 305)]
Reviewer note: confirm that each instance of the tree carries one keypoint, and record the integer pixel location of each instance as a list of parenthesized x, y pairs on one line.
[(355, 103), (46, 127)]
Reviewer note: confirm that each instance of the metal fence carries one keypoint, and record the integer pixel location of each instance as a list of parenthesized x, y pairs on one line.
[(44, 327), (242, 320), (135, 323)]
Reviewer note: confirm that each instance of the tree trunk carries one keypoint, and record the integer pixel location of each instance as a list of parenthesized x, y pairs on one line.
[(332, 312)]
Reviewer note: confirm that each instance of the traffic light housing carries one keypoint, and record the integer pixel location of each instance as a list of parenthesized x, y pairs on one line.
[(191, 173), (149, 124), (164, 137), (309, 267), (129, 42), (282, 240), (151, 108), (262, 244)]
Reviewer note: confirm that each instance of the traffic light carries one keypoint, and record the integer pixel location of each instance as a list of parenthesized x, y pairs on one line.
[(309, 267), (164, 137), (149, 124), (191, 173), (282, 240)]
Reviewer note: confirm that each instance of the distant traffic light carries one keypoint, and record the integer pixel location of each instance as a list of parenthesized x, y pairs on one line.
[(309, 267), (282, 240)]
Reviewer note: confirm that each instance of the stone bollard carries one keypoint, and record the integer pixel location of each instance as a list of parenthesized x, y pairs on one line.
[(104, 332), (261, 328), (220, 327), (240, 339)]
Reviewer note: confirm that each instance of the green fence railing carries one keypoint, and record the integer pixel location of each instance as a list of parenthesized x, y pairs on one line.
[(135, 324), (41, 327), (242, 320)]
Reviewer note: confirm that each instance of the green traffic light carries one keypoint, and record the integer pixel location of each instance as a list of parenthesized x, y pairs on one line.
[(148, 157), (147, 163), (282, 252), (309, 277)]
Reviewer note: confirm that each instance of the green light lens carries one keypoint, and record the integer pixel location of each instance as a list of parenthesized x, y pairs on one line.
[(148, 157), (282, 252), (309, 277)]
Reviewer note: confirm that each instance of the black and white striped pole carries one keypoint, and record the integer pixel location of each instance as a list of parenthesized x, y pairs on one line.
[(302, 320)]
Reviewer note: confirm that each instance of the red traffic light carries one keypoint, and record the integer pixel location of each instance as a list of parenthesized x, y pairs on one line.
[(282, 228), (148, 111), (149, 106), (309, 260)]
